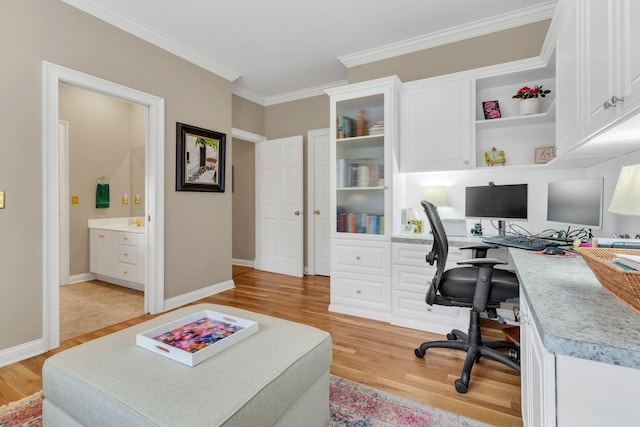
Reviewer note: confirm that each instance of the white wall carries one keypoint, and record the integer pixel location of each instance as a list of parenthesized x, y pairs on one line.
[(408, 188)]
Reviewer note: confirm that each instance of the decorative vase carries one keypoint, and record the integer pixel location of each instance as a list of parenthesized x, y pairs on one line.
[(529, 106)]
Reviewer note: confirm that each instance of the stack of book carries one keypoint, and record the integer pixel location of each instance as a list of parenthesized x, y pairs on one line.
[(377, 129), (627, 262), (359, 173)]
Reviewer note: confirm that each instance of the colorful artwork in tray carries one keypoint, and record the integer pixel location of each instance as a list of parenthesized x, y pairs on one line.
[(198, 335)]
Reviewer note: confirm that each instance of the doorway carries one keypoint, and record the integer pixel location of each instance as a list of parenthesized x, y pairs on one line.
[(54, 75)]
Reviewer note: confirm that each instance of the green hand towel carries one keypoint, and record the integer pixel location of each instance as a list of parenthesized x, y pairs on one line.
[(102, 196)]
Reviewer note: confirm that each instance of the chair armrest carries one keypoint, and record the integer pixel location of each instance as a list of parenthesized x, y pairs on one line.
[(482, 262), (480, 249)]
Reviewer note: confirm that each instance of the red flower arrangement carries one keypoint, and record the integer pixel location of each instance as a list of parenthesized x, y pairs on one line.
[(534, 92)]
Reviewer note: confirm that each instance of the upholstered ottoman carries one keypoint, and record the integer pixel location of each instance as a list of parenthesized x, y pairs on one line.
[(277, 376)]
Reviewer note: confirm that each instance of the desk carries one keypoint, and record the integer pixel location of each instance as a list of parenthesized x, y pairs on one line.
[(586, 368)]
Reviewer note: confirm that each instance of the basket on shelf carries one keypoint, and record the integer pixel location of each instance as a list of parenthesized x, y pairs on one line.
[(624, 284)]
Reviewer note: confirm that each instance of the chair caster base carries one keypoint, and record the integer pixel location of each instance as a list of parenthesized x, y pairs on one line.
[(461, 387)]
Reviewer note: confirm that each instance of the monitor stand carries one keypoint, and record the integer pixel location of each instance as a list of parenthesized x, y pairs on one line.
[(502, 227)]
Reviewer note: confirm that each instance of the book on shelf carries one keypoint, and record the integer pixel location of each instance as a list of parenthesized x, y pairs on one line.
[(359, 173), (361, 123), (362, 223), (627, 262), (377, 128), (345, 127)]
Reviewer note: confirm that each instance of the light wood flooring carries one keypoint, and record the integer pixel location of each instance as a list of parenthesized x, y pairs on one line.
[(370, 352)]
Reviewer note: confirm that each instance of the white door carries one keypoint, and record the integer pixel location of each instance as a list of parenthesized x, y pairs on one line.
[(280, 206), (321, 194)]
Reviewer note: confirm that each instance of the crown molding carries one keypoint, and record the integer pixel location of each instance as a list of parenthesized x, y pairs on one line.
[(454, 34), (247, 136), (139, 30), (285, 97)]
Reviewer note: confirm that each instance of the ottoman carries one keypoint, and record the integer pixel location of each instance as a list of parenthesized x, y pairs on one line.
[(277, 376)]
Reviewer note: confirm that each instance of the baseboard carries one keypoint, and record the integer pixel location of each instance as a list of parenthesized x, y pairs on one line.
[(77, 278), (190, 297), (21, 352), (243, 262)]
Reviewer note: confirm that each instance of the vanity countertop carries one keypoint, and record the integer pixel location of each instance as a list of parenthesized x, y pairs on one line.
[(118, 224)]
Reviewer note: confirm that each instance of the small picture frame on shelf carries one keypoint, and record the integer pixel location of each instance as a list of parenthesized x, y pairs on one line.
[(495, 157), (545, 154), (491, 110)]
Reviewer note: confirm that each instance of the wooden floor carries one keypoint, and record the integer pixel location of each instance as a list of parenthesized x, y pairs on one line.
[(370, 352)]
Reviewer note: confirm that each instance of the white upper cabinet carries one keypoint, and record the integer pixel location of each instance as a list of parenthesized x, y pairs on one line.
[(598, 74), (435, 125)]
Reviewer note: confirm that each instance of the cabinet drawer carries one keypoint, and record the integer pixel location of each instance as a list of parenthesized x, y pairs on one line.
[(130, 239), (127, 253), (360, 292), (366, 257), (410, 309), (127, 271), (410, 254), (412, 279)]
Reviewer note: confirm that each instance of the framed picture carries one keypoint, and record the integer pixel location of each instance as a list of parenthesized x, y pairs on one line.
[(200, 158), (495, 157), (545, 154), (491, 110)]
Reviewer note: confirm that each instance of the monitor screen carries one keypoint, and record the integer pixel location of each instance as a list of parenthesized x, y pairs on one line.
[(497, 202), (576, 202)]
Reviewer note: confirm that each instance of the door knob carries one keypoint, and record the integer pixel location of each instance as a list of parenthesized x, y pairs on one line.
[(297, 213), (317, 212)]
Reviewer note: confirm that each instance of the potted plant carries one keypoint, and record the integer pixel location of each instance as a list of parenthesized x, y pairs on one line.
[(529, 99)]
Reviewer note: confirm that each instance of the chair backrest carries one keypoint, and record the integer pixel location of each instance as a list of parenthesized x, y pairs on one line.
[(440, 247)]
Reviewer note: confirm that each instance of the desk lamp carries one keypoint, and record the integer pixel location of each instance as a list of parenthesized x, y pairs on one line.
[(626, 196), (437, 195)]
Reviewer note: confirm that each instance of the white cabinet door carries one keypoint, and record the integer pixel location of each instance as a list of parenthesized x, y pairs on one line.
[(104, 252), (599, 62), (629, 53), (435, 126), (537, 373), (568, 105)]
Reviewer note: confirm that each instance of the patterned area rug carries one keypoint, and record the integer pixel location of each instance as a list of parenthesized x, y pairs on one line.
[(355, 405), (351, 405)]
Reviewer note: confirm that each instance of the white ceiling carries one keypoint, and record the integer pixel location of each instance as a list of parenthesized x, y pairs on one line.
[(278, 50)]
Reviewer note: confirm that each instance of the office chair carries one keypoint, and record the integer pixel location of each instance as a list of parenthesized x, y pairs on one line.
[(480, 287)]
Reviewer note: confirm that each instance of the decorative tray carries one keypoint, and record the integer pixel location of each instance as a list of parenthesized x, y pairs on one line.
[(197, 337)]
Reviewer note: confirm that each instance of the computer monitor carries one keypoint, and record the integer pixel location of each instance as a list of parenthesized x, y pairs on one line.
[(576, 202), (499, 202)]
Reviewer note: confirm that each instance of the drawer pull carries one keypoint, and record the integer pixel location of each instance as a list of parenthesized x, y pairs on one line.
[(102, 235), (358, 257), (126, 238), (125, 272), (125, 254), (358, 291)]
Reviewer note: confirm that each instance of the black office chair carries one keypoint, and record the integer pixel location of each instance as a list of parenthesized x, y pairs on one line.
[(480, 287)]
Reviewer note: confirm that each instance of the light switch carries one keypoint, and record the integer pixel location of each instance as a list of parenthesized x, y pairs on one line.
[(1, 199), (75, 200)]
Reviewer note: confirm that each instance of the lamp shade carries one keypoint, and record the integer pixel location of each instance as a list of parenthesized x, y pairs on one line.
[(436, 195), (626, 196)]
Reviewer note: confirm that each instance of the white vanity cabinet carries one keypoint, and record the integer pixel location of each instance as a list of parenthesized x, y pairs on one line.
[(118, 257), (411, 276), (435, 125)]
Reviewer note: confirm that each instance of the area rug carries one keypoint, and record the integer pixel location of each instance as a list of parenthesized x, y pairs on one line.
[(350, 404)]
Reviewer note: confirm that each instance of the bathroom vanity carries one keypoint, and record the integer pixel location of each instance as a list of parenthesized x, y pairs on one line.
[(118, 251)]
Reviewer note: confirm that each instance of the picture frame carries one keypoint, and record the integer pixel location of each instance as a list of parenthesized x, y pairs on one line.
[(545, 154), (495, 157), (491, 110), (200, 159)]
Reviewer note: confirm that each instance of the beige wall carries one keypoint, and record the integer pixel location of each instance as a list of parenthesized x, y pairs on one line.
[(495, 48), (197, 232), (106, 137), (248, 115), (244, 200)]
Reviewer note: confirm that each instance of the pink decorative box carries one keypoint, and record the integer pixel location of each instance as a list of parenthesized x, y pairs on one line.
[(195, 338)]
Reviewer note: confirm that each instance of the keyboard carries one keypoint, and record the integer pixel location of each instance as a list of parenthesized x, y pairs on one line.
[(522, 242)]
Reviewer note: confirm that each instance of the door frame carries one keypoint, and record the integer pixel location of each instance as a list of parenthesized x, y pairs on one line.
[(53, 75)]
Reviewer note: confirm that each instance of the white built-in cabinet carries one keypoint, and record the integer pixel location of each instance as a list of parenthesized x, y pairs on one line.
[(411, 276), (537, 372), (118, 257), (443, 127), (435, 131), (599, 73), (363, 134)]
